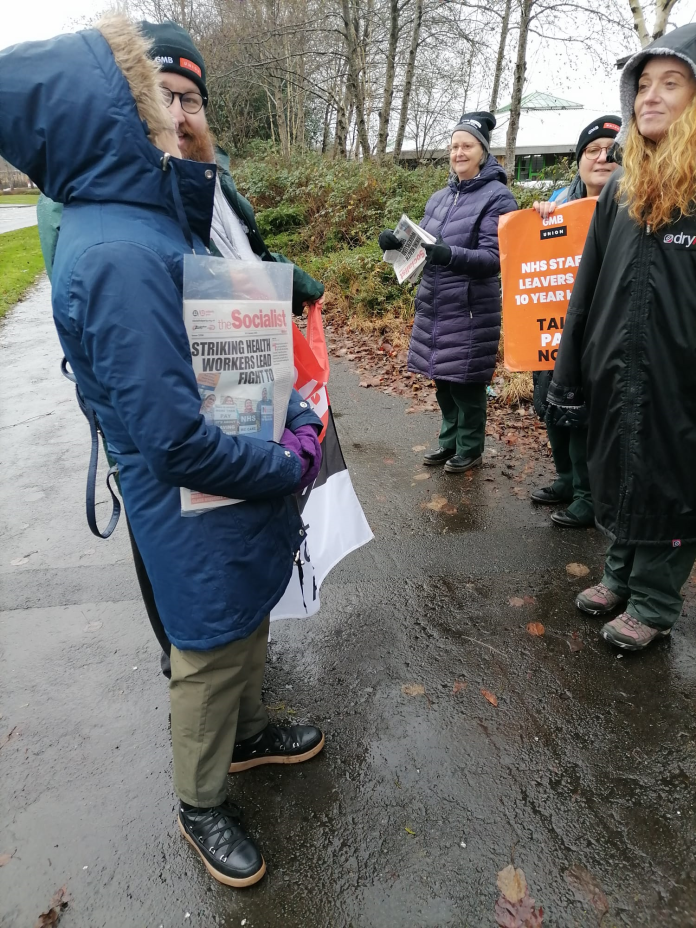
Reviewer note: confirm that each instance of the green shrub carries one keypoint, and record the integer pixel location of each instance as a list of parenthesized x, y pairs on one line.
[(280, 219), (326, 215)]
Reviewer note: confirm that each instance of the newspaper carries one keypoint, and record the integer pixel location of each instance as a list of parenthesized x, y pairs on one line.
[(409, 261), (241, 349)]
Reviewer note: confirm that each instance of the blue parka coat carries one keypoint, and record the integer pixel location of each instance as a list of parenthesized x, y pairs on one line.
[(457, 325), (69, 119)]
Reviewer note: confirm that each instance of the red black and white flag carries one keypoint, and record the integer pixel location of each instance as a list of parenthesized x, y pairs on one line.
[(330, 507)]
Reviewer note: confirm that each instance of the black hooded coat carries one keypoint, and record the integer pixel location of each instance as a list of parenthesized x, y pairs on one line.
[(629, 352)]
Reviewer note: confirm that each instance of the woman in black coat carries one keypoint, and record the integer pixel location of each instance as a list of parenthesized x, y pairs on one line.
[(628, 354)]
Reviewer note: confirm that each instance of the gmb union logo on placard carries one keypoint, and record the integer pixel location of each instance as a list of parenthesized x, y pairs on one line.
[(680, 239), (556, 230)]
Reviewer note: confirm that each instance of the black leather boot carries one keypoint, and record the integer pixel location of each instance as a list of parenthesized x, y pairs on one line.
[(459, 464), (226, 849), (276, 745), (439, 456)]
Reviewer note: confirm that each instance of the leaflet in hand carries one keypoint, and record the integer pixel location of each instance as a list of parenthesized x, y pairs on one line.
[(241, 349), (410, 260)]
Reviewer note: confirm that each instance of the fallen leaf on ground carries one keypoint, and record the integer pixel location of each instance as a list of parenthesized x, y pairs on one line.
[(492, 699), (413, 689), (440, 504), (512, 883), (587, 888), (577, 570), (5, 859), (575, 642), (515, 907), (518, 915), (409, 832), (422, 477), (536, 629), (515, 601), (459, 685), (419, 447), (58, 905)]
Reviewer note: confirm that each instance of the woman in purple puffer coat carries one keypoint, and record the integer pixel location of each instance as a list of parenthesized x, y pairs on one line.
[(457, 326)]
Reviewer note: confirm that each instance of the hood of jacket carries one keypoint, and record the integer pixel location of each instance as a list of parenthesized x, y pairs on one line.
[(491, 170), (79, 116), (680, 42)]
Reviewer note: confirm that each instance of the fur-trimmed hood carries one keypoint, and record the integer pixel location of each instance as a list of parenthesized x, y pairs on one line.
[(80, 116), (680, 42)]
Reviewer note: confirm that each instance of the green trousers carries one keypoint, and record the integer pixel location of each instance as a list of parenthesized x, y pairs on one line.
[(463, 407), (650, 577), (215, 700), (569, 449)]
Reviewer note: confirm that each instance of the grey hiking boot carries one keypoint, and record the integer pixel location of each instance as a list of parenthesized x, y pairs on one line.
[(598, 600), (628, 633)]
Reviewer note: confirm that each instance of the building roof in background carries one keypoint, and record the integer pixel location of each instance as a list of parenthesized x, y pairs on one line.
[(544, 128), (542, 101)]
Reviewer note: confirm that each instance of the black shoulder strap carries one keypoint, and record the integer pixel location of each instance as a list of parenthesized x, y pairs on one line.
[(94, 429)]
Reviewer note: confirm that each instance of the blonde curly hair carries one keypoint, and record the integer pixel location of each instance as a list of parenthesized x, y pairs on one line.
[(659, 180)]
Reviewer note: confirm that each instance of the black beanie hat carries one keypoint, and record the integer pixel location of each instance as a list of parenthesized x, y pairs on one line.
[(478, 124), (606, 127), (173, 50)]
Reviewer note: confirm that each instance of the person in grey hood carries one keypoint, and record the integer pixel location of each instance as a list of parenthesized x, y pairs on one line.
[(626, 360)]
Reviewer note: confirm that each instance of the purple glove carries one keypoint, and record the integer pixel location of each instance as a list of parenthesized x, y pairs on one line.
[(305, 444)]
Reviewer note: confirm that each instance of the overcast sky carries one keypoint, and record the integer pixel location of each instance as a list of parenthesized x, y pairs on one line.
[(549, 67)]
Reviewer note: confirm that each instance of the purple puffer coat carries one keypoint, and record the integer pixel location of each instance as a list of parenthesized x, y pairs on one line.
[(457, 326)]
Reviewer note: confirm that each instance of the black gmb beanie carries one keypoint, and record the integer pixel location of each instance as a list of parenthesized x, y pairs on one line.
[(605, 127), (478, 124), (173, 50)]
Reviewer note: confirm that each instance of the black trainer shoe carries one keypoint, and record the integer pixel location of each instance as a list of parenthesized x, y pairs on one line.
[(225, 848), (459, 464), (566, 519), (547, 496), (439, 456), (276, 745)]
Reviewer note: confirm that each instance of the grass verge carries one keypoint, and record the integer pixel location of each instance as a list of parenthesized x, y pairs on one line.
[(21, 263), (19, 199)]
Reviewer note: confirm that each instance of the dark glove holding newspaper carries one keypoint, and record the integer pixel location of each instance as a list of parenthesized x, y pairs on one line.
[(305, 444), (388, 241), (439, 253)]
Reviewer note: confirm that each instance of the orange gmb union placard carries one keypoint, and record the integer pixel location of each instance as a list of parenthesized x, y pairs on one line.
[(539, 259)]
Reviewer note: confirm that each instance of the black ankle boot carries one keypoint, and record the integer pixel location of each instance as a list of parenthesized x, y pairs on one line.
[(276, 745), (224, 845)]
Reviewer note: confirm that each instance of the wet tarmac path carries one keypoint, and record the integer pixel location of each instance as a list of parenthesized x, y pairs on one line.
[(16, 217), (417, 800)]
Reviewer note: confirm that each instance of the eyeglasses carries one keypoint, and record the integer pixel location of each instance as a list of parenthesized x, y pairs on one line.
[(594, 151), (190, 102)]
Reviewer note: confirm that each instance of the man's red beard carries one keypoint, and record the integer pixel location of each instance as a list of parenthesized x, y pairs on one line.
[(197, 146)]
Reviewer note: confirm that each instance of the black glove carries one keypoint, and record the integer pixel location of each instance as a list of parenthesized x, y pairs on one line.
[(571, 417), (297, 305), (439, 253), (388, 241)]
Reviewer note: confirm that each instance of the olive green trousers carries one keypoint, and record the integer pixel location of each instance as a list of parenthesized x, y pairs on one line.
[(215, 700)]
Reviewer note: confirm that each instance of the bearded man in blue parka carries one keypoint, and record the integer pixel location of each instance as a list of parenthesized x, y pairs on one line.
[(84, 117)]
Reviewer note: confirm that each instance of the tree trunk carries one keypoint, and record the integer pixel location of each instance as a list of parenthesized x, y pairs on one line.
[(408, 78), (354, 80), (639, 22), (517, 88), (388, 97), (504, 29), (664, 8), (280, 118)]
